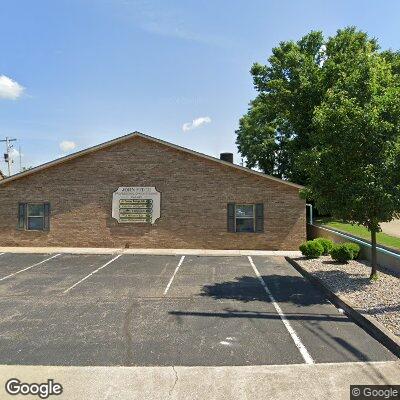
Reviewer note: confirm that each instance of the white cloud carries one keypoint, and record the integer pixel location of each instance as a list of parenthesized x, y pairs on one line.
[(67, 145), (196, 123), (10, 89)]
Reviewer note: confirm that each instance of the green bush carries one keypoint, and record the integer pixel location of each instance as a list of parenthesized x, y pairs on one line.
[(326, 244), (345, 251), (354, 248), (311, 249), (341, 253)]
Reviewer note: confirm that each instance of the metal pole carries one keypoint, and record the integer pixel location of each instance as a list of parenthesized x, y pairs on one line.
[(8, 156), (8, 147)]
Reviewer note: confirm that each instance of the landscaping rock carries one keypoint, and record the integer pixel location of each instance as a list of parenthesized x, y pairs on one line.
[(379, 299)]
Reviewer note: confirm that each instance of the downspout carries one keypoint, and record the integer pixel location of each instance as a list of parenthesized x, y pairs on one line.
[(311, 213)]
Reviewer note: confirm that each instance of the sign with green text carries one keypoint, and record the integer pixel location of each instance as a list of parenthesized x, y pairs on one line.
[(136, 205)]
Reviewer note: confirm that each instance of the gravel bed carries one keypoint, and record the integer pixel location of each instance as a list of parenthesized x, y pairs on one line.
[(380, 299)]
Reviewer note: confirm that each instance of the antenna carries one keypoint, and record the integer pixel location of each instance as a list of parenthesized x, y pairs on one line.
[(7, 158), (20, 159)]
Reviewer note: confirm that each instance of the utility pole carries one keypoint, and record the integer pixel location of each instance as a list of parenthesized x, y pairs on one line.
[(7, 158)]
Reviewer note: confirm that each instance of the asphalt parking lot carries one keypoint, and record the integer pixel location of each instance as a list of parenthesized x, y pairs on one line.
[(153, 310)]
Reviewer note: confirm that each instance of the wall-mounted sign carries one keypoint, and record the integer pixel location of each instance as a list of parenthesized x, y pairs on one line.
[(136, 204)]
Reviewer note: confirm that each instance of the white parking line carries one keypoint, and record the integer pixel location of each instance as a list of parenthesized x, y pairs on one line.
[(26, 269), (305, 354), (92, 273), (173, 275)]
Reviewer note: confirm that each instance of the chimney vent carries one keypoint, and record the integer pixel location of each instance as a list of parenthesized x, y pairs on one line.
[(226, 157)]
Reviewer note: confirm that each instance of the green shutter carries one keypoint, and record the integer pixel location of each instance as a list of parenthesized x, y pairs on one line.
[(231, 217), (46, 221), (260, 217), (21, 215)]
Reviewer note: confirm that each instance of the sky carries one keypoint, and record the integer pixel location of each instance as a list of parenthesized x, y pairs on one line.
[(76, 73)]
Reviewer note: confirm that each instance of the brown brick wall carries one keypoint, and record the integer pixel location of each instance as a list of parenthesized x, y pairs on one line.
[(194, 196)]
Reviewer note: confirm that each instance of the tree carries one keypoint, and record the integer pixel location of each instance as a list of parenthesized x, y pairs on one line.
[(276, 131), (327, 115), (264, 145), (355, 164)]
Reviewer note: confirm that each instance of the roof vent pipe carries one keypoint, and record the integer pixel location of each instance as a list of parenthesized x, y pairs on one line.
[(228, 157)]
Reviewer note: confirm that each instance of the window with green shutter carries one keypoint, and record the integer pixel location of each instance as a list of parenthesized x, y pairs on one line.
[(34, 216), (245, 217)]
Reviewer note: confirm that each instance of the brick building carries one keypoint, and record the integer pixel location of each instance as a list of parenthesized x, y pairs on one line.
[(138, 191)]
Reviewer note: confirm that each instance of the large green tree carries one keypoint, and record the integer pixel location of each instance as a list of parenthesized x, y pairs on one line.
[(276, 131), (328, 116), (354, 168)]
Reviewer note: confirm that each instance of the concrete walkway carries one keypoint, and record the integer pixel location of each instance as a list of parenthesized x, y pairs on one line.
[(391, 228), (308, 382), (109, 250)]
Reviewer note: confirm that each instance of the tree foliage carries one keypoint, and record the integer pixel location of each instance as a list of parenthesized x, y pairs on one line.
[(277, 133), (336, 102), (277, 129), (354, 169)]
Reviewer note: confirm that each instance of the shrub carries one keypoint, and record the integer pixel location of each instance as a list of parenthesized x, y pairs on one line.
[(311, 249), (326, 244), (344, 252), (354, 248), (341, 252)]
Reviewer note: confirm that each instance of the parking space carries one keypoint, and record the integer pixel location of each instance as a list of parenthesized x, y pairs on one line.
[(129, 276), (206, 318), (52, 276), (328, 334), (12, 264), (64, 309)]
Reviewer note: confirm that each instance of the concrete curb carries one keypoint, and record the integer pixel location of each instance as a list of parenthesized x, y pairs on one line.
[(174, 252), (278, 382), (368, 323)]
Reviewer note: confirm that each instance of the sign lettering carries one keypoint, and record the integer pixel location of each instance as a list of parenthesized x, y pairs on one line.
[(136, 205)]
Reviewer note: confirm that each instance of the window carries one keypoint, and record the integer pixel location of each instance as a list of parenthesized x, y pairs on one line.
[(245, 217), (34, 216)]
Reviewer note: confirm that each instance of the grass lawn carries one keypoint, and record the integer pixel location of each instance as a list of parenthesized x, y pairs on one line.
[(360, 231)]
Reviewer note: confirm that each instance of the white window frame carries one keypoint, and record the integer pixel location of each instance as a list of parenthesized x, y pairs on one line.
[(253, 217), (33, 216)]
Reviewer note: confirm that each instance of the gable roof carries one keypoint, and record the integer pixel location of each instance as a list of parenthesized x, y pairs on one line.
[(141, 135)]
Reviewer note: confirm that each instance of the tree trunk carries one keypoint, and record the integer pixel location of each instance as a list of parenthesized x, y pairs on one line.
[(374, 271)]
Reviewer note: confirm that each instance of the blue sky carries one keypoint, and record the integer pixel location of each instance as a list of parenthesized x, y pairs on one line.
[(83, 72)]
